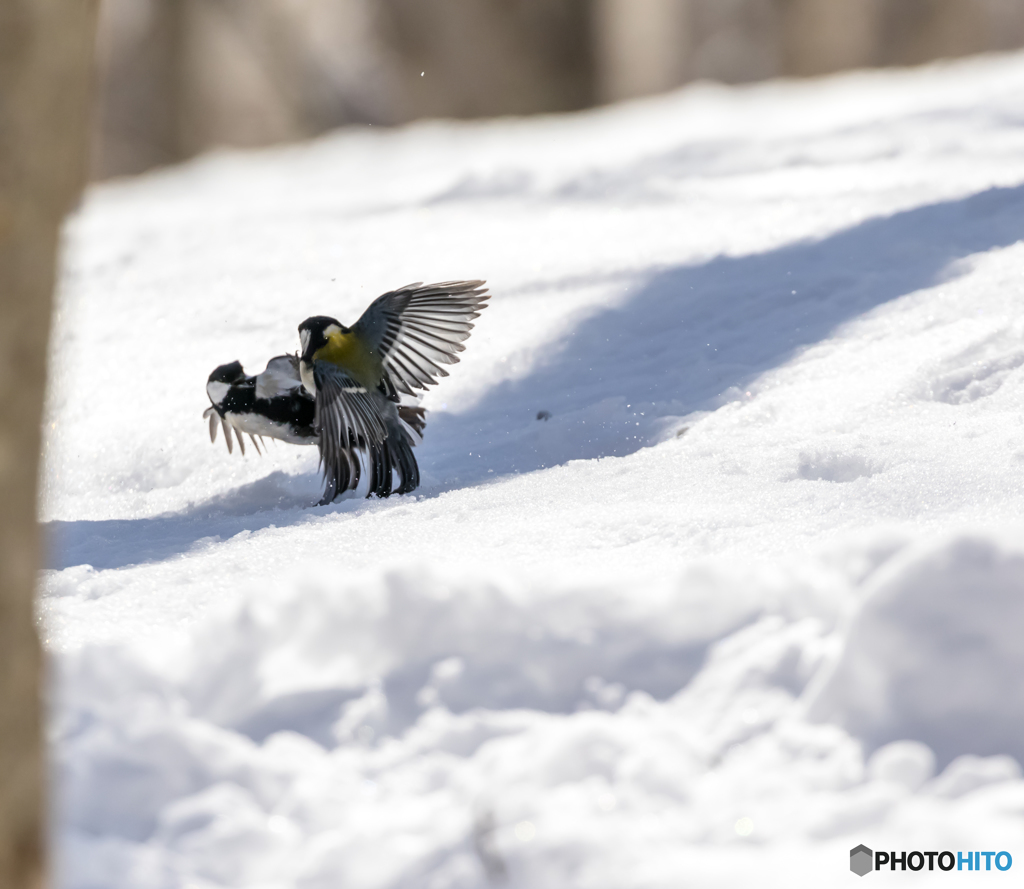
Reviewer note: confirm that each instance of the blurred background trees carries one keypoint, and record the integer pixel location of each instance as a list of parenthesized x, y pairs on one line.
[(180, 76), (651, 45)]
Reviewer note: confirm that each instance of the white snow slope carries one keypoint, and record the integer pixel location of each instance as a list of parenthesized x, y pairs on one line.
[(752, 595)]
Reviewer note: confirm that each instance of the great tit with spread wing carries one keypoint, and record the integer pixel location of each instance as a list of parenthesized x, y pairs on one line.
[(356, 376)]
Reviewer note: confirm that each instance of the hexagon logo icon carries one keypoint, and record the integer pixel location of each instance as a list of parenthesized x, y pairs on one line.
[(861, 859)]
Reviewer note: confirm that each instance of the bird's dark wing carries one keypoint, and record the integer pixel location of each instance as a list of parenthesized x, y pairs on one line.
[(346, 419), (418, 328), (346, 416)]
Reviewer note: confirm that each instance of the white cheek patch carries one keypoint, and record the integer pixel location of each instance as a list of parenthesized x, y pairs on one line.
[(304, 339), (306, 373), (217, 391)]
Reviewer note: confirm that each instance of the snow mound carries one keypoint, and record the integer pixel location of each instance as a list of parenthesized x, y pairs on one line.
[(935, 653), (473, 730)]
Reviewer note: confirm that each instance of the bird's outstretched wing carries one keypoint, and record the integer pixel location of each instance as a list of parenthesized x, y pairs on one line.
[(417, 328), (346, 419)]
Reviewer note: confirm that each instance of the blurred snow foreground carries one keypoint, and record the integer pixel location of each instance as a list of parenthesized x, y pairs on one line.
[(752, 594)]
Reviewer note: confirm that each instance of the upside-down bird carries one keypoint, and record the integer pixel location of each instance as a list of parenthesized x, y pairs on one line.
[(273, 403), (357, 374)]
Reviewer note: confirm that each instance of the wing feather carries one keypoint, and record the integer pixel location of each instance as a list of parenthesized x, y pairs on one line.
[(420, 362), (417, 328), (437, 349), (399, 374), (346, 419)]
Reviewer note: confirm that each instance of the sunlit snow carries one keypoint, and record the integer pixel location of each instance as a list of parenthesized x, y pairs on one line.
[(751, 594)]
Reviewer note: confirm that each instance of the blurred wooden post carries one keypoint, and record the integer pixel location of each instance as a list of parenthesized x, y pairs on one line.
[(467, 58), (822, 36), (139, 116), (649, 46), (46, 49), (641, 46), (917, 31)]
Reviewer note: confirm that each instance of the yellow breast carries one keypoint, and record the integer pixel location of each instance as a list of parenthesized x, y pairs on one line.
[(350, 354)]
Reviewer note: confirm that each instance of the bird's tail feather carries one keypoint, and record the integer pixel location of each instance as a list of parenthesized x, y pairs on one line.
[(341, 475), (380, 469), (395, 452), (407, 465)]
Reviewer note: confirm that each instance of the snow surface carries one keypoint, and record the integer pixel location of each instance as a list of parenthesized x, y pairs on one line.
[(751, 595)]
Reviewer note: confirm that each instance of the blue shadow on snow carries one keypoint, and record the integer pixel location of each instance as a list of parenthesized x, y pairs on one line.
[(683, 337)]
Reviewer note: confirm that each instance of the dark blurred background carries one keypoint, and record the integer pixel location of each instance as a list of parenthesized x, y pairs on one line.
[(179, 76)]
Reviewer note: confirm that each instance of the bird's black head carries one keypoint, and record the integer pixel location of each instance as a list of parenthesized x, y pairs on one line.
[(228, 373), (313, 333), (224, 380)]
